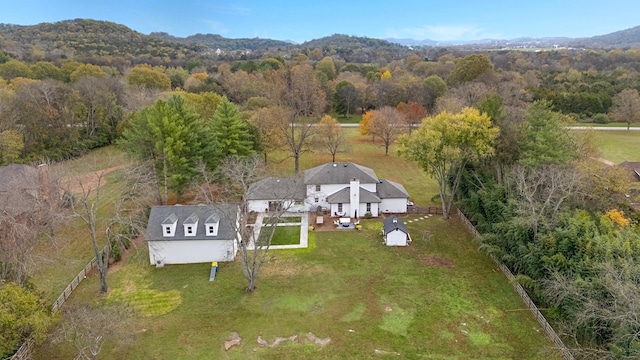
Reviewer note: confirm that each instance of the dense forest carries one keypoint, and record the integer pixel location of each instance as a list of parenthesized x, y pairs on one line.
[(561, 223)]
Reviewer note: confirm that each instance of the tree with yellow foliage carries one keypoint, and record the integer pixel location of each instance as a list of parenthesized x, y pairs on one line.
[(365, 124), (617, 218)]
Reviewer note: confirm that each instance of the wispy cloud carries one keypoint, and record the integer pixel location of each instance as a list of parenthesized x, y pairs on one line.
[(216, 27), (443, 33)]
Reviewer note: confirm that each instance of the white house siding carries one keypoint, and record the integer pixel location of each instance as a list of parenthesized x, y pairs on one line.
[(191, 251), (258, 205), (393, 205), (326, 190), (362, 209), (396, 238), (346, 209), (262, 205)]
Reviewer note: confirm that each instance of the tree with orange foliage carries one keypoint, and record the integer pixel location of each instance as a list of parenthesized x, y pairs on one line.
[(412, 114)]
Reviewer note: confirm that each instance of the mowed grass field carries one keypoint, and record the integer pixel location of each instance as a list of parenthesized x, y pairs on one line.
[(619, 146), (437, 299), (60, 259)]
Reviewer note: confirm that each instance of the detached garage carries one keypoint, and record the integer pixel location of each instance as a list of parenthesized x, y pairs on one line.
[(395, 232), (192, 234)]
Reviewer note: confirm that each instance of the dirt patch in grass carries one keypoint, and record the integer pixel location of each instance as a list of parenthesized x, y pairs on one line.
[(283, 267), (435, 261), (90, 181)]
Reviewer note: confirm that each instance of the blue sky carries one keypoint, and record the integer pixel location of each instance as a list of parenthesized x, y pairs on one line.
[(306, 20)]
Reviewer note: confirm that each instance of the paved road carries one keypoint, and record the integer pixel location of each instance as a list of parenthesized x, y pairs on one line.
[(601, 128), (611, 128)]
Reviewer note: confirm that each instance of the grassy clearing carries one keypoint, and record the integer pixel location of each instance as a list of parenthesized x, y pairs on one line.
[(57, 261), (437, 299), (353, 119), (619, 146)]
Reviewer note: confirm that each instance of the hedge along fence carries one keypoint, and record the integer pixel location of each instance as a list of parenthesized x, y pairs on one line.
[(523, 294), (24, 352)]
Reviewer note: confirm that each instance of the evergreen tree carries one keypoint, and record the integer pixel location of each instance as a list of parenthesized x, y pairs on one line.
[(230, 130), (171, 135)]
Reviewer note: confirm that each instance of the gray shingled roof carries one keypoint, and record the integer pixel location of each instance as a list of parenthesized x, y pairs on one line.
[(19, 187), (343, 196), (390, 226), (277, 189), (339, 173), (388, 189), (159, 214)]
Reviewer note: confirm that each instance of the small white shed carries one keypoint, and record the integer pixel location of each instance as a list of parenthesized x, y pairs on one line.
[(395, 232), (192, 234)]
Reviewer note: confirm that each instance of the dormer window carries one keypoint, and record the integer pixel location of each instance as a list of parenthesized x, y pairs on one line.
[(191, 225), (169, 225), (211, 225)]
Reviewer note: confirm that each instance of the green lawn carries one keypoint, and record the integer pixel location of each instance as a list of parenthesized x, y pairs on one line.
[(59, 260), (619, 146), (352, 119), (289, 219), (437, 299), (284, 235)]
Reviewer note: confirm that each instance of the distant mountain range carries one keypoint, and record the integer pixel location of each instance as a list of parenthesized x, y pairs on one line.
[(86, 37), (629, 38)]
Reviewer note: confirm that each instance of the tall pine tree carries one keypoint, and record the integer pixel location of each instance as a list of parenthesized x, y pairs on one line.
[(230, 130), (172, 136)]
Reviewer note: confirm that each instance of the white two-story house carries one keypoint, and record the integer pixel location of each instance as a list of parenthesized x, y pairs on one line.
[(348, 189), (344, 189)]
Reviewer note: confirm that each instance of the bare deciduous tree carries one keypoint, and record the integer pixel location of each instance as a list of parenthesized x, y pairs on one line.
[(626, 107), (606, 307), (236, 175), (87, 328), (17, 239), (330, 137), (123, 224), (543, 190), (33, 207), (300, 92)]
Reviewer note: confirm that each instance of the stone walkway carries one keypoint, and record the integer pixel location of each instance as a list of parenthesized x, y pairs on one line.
[(420, 218), (304, 230)]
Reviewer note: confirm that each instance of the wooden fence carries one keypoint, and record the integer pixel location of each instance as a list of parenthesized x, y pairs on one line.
[(24, 352), (523, 294)]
